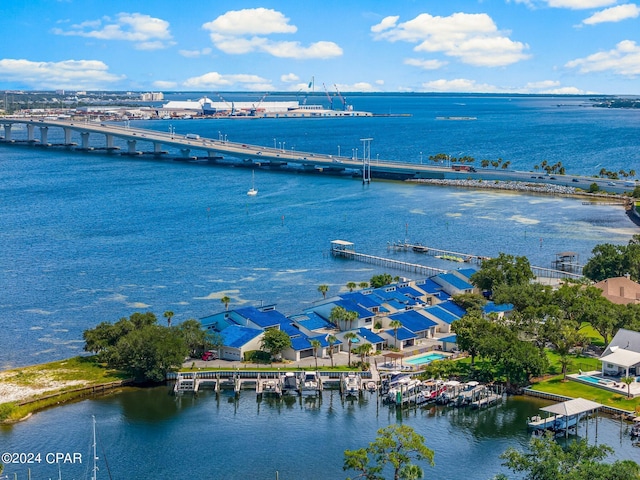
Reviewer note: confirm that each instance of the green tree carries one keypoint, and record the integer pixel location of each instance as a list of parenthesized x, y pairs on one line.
[(470, 331), (628, 381), (197, 339), (275, 341), (315, 344), (547, 460), (226, 301), (351, 286), (381, 280), (337, 316), (323, 289), (363, 285), (168, 315), (503, 270), (606, 262), (396, 448), (350, 337), (395, 325)]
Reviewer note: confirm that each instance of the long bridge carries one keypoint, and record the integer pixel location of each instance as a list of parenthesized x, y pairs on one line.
[(256, 155)]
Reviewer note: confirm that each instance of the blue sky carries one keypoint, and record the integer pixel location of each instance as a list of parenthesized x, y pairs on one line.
[(515, 46)]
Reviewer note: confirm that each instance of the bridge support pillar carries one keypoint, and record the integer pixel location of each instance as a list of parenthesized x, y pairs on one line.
[(44, 134), (67, 136), (131, 147), (185, 152), (7, 132), (30, 129), (109, 139), (84, 140), (157, 148)]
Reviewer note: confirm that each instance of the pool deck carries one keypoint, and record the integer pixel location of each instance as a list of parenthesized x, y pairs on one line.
[(613, 385)]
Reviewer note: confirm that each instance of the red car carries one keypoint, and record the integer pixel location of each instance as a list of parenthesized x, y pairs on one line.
[(206, 356)]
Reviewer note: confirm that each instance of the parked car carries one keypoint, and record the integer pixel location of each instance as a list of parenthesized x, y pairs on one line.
[(210, 355), (575, 180)]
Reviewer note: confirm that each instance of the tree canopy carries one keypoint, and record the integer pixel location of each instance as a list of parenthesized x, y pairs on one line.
[(275, 341), (547, 460), (396, 448), (138, 346), (503, 270), (610, 261), (381, 280)]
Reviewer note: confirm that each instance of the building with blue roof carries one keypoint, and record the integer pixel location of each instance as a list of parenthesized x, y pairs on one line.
[(453, 284), (406, 338), (365, 317), (449, 343), (500, 310), (368, 301), (444, 318), (416, 322), (369, 337), (237, 340), (454, 308)]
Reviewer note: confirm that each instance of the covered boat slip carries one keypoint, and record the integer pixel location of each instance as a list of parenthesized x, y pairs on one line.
[(563, 416)]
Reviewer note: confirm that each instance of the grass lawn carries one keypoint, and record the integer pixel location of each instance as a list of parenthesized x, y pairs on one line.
[(579, 390)]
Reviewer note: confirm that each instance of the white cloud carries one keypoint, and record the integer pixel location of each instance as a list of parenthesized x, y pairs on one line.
[(614, 14), (623, 60), (67, 74), (244, 31), (250, 21), (194, 53), (217, 80), (425, 64), (357, 87), (289, 78), (148, 33), (164, 85), (580, 4), (544, 84), (458, 85), (472, 38)]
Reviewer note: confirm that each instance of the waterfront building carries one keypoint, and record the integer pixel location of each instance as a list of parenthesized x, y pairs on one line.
[(620, 290), (622, 355)]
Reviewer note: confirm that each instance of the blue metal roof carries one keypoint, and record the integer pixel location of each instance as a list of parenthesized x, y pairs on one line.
[(323, 340), (290, 329), (269, 318), (429, 286), (396, 305), (467, 272), (300, 343), (311, 321), (236, 336), (442, 314), (366, 301), (491, 307), (410, 292), (403, 334), (450, 339), (369, 336), (452, 307), (413, 321), (354, 307), (455, 281)]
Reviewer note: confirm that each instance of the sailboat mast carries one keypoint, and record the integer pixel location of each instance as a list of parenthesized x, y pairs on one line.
[(94, 475)]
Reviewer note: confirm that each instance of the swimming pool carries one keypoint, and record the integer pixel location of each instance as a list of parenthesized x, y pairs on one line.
[(590, 379), (424, 358)]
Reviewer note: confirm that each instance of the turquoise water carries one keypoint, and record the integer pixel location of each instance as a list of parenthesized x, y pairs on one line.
[(590, 379), (424, 359)]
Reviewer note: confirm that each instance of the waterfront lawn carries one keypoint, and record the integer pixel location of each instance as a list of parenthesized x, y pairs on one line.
[(571, 389), (578, 362), (594, 337), (39, 386)]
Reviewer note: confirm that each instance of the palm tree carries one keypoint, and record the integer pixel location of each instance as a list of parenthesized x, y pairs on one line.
[(337, 316), (332, 339), (411, 472), (628, 381), (351, 286), (168, 315), (395, 324), (226, 300), (315, 344), (351, 316), (323, 289), (363, 284), (350, 337)]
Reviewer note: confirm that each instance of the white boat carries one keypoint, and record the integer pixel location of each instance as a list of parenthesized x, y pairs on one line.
[(351, 384), (406, 392), (252, 191), (311, 382)]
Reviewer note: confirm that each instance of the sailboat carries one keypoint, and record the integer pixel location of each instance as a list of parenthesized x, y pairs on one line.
[(252, 191)]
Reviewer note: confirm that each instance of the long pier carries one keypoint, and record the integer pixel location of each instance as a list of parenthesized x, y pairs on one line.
[(344, 249)]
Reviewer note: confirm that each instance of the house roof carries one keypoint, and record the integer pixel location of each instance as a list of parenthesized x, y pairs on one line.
[(369, 336), (403, 334), (620, 290), (367, 301), (441, 314), (263, 319), (466, 272), (311, 321), (236, 336), (455, 281), (413, 321), (352, 306), (491, 307), (429, 286), (622, 358), (624, 339), (453, 308), (449, 339)]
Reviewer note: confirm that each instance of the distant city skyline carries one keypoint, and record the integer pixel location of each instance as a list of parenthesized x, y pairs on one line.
[(466, 46)]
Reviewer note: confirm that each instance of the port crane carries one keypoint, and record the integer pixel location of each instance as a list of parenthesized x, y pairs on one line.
[(342, 99), (328, 96), (256, 107), (230, 105)]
